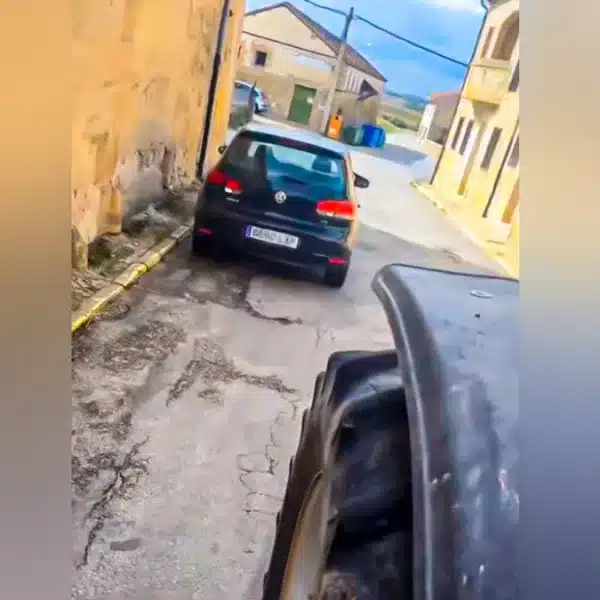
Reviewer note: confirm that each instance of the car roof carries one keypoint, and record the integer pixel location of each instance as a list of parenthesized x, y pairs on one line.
[(246, 84), (296, 135)]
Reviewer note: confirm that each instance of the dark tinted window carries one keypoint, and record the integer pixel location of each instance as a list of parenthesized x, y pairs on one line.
[(465, 141), (513, 160), (260, 59), (514, 82), (491, 148), (459, 127), (315, 170)]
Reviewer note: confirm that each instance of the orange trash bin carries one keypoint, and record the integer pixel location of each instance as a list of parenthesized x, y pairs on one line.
[(334, 131)]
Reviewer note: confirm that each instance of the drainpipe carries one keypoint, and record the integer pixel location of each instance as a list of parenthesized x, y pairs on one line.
[(485, 4), (212, 89)]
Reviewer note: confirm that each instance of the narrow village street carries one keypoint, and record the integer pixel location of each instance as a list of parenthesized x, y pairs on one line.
[(187, 402)]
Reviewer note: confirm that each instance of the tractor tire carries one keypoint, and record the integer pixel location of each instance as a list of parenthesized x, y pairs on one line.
[(345, 526)]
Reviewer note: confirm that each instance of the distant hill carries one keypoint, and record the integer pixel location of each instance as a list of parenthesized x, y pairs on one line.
[(402, 110), (411, 101)]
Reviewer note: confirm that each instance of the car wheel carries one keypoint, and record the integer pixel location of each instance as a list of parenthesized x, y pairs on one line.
[(335, 276), (345, 525)]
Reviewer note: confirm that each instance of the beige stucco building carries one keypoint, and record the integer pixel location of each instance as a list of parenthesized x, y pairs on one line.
[(141, 73), (291, 57), (437, 117), (478, 169)]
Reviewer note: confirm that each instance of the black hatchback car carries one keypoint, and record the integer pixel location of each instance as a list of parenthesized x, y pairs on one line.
[(283, 195)]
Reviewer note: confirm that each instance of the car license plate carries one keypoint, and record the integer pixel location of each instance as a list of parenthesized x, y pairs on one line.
[(272, 237)]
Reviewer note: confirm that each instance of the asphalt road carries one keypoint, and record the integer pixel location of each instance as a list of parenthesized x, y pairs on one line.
[(187, 398)]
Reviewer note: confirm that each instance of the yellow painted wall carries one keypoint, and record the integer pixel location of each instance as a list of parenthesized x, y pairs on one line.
[(471, 198), (221, 112), (494, 19), (141, 71), (511, 254), (449, 171), (480, 183), (509, 179)]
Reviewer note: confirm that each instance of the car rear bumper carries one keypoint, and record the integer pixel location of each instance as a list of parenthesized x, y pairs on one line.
[(313, 251)]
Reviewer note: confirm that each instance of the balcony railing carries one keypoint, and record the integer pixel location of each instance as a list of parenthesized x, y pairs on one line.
[(488, 81)]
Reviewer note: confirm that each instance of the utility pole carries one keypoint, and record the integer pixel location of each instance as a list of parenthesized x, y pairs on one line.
[(335, 77)]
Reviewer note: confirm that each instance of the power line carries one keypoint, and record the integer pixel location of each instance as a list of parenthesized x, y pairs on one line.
[(414, 44), (333, 10), (394, 35)]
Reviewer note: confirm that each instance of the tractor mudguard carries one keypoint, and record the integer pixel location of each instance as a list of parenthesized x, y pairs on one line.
[(456, 337), (403, 484)]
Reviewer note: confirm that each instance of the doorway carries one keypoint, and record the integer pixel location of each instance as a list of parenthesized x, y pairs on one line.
[(302, 104)]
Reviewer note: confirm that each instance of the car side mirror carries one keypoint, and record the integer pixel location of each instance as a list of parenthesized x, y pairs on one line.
[(361, 182), (221, 149)]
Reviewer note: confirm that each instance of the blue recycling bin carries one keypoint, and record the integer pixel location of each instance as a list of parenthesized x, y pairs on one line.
[(369, 135), (373, 136)]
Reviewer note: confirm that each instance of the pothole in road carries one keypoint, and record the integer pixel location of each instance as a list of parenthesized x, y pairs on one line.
[(150, 342), (122, 475), (210, 363), (206, 282), (102, 473)]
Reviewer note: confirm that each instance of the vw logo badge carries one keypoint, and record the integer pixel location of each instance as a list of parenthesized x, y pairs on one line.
[(280, 197)]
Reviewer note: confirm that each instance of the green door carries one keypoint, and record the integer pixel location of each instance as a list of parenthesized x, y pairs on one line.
[(302, 103)]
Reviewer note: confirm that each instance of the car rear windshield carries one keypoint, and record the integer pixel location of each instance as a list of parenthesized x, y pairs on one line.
[(279, 161)]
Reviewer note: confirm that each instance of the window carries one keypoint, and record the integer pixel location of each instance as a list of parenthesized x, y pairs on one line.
[(260, 59), (467, 136), (457, 133), (513, 159), (284, 163), (508, 37), (514, 82), (488, 40), (491, 148)]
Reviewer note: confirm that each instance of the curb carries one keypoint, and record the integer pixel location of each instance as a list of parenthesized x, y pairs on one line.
[(98, 302), (425, 190)]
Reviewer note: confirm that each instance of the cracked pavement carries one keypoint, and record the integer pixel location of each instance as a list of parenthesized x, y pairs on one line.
[(187, 402)]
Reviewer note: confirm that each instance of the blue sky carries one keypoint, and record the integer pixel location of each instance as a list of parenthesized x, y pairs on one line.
[(448, 26)]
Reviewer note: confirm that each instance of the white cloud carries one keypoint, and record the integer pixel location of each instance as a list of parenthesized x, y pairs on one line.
[(472, 6)]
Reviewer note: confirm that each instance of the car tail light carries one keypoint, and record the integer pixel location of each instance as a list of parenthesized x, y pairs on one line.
[(216, 178), (339, 209), (232, 186)]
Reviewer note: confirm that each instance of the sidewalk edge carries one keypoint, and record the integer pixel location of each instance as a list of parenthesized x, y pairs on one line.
[(128, 277), (425, 189)]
